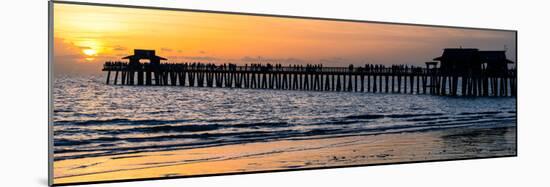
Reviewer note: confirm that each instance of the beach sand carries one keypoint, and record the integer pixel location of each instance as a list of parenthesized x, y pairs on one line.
[(293, 154)]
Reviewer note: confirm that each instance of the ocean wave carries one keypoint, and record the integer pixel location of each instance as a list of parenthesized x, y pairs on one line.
[(377, 116), (479, 113), (119, 121), (219, 139)]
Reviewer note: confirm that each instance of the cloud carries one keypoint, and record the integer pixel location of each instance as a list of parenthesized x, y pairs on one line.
[(166, 49), (261, 59), (337, 61), (194, 58), (333, 59), (69, 59), (119, 48)]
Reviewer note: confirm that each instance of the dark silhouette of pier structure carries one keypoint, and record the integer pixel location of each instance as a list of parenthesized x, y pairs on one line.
[(462, 72)]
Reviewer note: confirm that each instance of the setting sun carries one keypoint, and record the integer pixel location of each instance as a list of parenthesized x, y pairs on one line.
[(89, 52)]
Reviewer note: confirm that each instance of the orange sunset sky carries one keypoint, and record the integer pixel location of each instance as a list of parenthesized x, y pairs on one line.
[(87, 36)]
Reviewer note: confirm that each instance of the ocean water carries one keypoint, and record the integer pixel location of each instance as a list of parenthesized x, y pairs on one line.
[(94, 119)]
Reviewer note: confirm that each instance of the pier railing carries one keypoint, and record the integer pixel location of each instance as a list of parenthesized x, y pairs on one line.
[(368, 78)]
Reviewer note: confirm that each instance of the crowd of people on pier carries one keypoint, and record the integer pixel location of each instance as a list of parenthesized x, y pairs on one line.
[(268, 67)]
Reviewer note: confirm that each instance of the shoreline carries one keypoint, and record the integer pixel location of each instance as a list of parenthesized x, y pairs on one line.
[(441, 144)]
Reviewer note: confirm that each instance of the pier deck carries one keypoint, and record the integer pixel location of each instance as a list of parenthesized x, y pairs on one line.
[(368, 78)]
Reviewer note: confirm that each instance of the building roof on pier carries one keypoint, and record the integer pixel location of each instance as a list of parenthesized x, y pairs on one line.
[(144, 54), (494, 57), (466, 54), (458, 54)]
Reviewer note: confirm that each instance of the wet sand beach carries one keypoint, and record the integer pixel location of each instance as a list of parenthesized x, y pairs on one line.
[(442, 144)]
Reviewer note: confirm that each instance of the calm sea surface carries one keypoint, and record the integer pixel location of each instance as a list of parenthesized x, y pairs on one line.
[(94, 119)]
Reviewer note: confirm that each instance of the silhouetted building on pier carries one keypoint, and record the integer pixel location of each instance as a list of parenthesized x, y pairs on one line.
[(144, 54), (471, 60), (495, 61), (459, 60)]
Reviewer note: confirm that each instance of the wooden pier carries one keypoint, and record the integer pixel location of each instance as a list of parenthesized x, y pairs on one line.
[(368, 78)]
